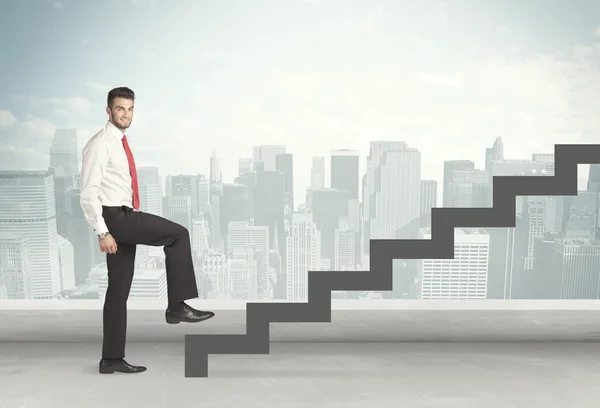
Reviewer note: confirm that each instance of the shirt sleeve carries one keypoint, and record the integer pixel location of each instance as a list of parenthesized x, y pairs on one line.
[(94, 160)]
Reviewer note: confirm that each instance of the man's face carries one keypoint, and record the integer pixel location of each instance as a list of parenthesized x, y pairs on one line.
[(121, 112)]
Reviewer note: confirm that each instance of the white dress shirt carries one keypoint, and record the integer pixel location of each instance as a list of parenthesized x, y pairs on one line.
[(105, 178)]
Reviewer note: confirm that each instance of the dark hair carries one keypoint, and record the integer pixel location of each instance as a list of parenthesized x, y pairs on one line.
[(121, 92)]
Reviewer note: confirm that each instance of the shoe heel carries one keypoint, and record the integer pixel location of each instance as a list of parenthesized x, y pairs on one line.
[(107, 370), (172, 320)]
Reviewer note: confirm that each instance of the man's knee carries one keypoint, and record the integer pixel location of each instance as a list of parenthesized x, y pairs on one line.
[(181, 232)]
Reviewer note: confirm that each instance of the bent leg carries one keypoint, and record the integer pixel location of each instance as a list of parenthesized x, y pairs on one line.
[(137, 227)]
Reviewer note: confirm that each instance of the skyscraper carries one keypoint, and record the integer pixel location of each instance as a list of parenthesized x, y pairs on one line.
[(317, 172), (344, 171), (372, 183), (200, 235), (244, 166), (285, 163), (326, 207), (150, 190), (28, 209), (496, 152), (464, 276), (547, 159), (397, 194), (303, 249), (470, 188), (269, 205), (581, 214), (568, 268), (234, 205), (66, 259), (450, 166), (64, 151), (594, 178), (514, 167), (186, 185), (151, 201), (509, 246), (64, 165), (249, 179), (344, 177), (242, 270), (215, 169), (267, 155), (244, 234), (428, 200), (15, 266), (345, 246)]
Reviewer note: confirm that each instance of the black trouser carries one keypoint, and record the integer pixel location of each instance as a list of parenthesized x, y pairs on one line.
[(129, 228)]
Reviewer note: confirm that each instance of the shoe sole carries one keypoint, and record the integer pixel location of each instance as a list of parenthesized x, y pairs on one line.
[(176, 320), (112, 371)]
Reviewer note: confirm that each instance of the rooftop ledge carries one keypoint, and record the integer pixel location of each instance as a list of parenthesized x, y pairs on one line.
[(336, 304), (80, 321)]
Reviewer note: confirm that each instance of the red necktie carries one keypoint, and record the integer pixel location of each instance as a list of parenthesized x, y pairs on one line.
[(133, 172)]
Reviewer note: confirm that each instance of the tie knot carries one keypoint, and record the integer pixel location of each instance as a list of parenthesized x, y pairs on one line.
[(124, 138)]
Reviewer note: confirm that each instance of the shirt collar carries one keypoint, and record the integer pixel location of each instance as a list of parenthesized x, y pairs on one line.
[(115, 131)]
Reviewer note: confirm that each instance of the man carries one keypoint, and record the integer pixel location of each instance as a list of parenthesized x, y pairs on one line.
[(110, 202)]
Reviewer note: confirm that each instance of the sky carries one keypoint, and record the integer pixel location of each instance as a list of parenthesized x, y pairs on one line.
[(315, 75)]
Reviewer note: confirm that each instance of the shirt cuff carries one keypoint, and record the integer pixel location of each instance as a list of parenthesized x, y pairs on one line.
[(100, 228)]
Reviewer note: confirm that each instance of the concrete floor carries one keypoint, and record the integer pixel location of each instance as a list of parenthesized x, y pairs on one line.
[(516, 357), (349, 375)]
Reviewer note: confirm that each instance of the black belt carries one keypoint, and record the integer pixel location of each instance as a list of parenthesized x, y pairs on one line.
[(125, 208)]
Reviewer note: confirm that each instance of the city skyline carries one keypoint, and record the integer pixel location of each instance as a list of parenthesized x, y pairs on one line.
[(303, 146), (249, 244), (240, 134), (246, 162), (451, 75)]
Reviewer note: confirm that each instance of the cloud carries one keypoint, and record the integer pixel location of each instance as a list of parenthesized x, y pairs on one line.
[(144, 2), (99, 87), (55, 4), (597, 31), (533, 103), (25, 142), (194, 56), (136, 3), (437, 79), (63, 106), (504, 29), (445, 89), (372, 22), (450, 110), (443, 16), (7, 120)]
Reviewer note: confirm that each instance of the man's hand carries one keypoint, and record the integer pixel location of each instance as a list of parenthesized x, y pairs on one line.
[(108, 245)]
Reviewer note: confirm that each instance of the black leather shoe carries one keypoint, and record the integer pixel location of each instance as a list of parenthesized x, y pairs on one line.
[(188, 314), (109, 367)]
